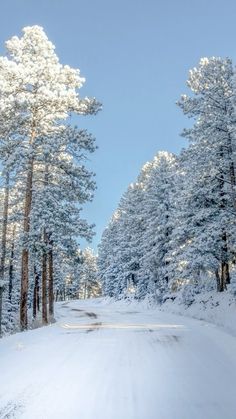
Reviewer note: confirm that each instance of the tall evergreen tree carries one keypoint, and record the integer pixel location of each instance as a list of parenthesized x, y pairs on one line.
[(211, 166), (45, 156)]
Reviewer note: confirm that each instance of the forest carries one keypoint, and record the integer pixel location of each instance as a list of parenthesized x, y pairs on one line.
[(117, 209), (174, 230), (44, 183)]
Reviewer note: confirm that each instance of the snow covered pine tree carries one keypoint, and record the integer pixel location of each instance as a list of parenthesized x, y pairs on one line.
[(39, 95)]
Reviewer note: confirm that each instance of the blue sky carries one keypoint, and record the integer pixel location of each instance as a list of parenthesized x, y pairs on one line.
[(135, 55)]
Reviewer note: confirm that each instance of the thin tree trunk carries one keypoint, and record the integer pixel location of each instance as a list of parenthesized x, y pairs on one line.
[(44, 283), (38, 301), (225, 277), (166, 262), (85, 289), (224, 270), (45, 262), (44, 289), (50, 277), (232, 170), (36, 293), (11, 265), (25, 251), (4, 244), (218, 282), (4, 228)]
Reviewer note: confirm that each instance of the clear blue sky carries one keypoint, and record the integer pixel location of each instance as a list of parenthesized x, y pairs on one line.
[(135, 55)]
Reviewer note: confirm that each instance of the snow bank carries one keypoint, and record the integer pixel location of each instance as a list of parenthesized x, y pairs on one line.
[(213, 307)]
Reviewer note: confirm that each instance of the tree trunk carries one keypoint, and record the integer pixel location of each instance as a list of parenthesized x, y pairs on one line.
[(218, 281), (224, 270), (232, 170), (227, 275), (225, 278), (166, 262), (44, 283), (4, 244), (44, 289), (4, 228), (85, 289), (36, 293), (11, 266), (25, 251), (224, 275), (50, 277)]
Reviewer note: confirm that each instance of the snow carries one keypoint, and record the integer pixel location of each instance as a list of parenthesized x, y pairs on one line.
[(213, 307), (108, 360)]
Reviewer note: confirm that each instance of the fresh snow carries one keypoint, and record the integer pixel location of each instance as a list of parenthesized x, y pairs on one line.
[(213, 307), (118, 361)]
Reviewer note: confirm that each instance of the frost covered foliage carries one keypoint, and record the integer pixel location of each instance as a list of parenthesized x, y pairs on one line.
[(174, 230), (44, 176), (133, 254), (89, 285), (80, 280)]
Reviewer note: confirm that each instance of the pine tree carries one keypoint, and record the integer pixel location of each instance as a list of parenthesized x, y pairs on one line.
[(159, 187), (212, 174), (88, 283), (45, 159)]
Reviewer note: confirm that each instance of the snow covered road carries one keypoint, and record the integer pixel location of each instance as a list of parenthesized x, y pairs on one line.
[(118, 361)]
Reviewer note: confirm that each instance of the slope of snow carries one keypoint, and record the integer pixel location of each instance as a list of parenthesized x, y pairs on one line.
[(214, 307), (118, 361)]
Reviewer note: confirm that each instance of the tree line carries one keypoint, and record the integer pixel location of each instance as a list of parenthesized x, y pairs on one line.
[(174, 228), (44, 178)]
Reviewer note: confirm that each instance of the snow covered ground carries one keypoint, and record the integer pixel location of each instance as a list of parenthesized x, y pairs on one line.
[(213, 307), (118, 361)]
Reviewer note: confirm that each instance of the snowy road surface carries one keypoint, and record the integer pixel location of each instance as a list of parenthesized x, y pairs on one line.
[(111, 361)]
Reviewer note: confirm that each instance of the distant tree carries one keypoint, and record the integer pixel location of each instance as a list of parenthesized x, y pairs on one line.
[(159, 189), (89, 285)]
